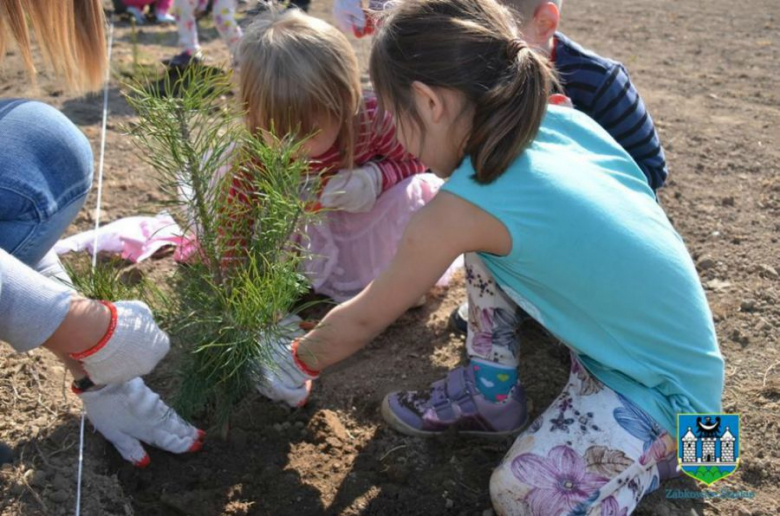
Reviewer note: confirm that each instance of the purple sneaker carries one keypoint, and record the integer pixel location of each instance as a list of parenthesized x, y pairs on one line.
[(454, 402)]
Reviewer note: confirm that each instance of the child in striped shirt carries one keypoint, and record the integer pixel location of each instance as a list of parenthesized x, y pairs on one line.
[(597, 86), (300, 75)]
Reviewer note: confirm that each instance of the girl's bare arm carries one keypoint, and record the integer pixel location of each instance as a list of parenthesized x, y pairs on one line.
[(444, 229)]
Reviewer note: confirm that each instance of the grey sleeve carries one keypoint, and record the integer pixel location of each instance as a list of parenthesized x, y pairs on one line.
[(32, 306)]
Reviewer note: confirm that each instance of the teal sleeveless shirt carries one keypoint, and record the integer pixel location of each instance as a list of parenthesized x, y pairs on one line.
[(595, 260)]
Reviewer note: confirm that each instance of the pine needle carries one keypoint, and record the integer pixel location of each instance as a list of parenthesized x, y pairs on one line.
[(246, 278)]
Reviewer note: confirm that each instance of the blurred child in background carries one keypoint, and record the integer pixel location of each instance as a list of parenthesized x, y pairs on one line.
[(185, 12), (161, 10)]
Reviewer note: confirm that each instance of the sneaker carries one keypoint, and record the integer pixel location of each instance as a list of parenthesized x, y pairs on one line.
[(184, 59), (455, 403), (164, 18), (459, 318), (136, 13)]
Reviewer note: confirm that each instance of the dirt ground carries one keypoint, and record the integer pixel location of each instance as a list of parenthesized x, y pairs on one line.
[(708, 72)]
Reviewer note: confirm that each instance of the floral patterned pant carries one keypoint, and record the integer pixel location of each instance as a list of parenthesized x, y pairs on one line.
[(224, 13), (494, 319), (592, 452)]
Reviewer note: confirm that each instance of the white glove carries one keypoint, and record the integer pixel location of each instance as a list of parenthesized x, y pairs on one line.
[(281, 378), (349, 15), (133, 345), (130, 412), (353, 190)]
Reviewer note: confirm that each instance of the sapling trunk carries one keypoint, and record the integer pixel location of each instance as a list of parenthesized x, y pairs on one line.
[(245, 278), (200, 186)]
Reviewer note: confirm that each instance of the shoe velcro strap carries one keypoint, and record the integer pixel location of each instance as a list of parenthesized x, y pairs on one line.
[(456, 392)]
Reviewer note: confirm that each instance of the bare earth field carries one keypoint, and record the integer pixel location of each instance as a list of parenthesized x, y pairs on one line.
[(708, 72)]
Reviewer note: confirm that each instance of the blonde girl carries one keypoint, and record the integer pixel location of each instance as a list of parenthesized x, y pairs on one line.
[(555, 218), (300, 75)]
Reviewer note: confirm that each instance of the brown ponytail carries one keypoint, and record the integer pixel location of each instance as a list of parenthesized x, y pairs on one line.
[(470, 46), (507, 117)]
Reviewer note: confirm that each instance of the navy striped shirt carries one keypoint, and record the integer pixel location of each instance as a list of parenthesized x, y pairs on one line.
[(601, 88)]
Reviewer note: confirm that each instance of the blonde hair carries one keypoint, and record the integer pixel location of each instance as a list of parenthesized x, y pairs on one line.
[(468, 46), (70, 33), (295, 71)]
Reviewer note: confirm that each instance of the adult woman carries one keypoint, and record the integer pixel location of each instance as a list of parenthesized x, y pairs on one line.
[(45, 174)]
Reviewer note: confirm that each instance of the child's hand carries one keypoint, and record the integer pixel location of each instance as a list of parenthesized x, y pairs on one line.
[(130, 413), (353, 190), (285, 378)]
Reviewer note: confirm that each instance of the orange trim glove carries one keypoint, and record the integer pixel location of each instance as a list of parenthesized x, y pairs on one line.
[(130, 413), (284, 377), (132, 346)]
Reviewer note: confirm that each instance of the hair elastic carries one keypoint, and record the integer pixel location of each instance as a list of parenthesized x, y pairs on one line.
[(514, 46)]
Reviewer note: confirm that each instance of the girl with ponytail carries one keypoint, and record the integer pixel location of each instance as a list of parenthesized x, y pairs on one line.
[(554, 218)]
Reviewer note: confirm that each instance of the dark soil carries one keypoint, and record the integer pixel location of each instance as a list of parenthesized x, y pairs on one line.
[(708, 72)]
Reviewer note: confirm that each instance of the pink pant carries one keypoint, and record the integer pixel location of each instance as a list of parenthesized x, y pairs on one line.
[(162, 6)]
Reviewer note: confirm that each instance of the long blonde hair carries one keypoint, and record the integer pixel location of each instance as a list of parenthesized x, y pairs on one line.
[(69, 32), (296, 70)]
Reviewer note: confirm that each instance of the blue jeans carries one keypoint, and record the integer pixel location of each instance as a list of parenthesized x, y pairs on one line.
[(45, 175)]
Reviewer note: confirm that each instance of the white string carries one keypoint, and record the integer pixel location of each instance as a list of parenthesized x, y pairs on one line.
[(102, 145), (81, 463), (94, 248)]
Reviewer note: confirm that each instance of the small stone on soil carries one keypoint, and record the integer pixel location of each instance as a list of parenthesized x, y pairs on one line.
[(706, 262), (717, 284), (61, 483), (38, 479), (59, 496), (740, 338), (335, 425), (239, 437)]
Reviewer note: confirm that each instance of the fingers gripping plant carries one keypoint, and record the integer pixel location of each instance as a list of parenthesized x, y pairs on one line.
[(245, 277)]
